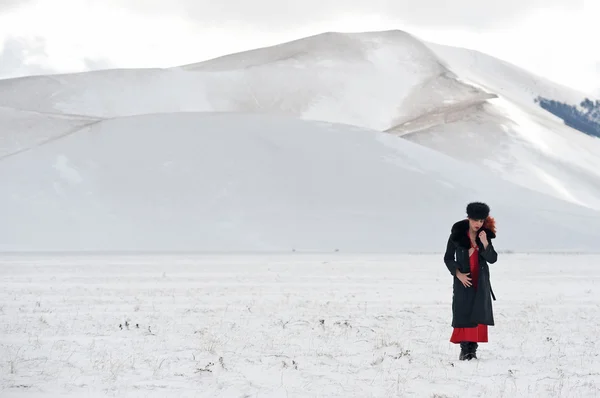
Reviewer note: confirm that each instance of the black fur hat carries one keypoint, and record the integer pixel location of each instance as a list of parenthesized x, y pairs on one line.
[(478, 211)]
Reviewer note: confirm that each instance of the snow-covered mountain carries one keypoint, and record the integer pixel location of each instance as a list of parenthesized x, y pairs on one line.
[(511, 135), (460, 102), (359, 79), (212, 156), (225, 182)]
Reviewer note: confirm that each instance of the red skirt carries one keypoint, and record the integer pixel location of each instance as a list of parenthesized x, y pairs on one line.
[(478, 334)]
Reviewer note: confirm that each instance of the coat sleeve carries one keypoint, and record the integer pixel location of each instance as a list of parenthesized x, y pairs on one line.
[(489, 254), (449, 259)]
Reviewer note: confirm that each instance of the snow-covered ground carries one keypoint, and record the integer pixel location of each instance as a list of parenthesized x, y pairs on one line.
[(297, 325)]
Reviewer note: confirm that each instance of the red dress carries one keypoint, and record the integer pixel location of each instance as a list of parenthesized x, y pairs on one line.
[(478, 334)]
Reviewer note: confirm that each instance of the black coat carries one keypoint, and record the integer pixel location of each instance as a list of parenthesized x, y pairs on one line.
[(469, 306)]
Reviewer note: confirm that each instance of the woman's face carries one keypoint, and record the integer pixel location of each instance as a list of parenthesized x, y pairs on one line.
[(475, 224)]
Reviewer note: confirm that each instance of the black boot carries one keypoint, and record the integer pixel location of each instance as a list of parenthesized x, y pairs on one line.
[(464, 351), (473, 350)]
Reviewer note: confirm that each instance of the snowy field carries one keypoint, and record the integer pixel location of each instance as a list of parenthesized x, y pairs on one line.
[(290, 326)]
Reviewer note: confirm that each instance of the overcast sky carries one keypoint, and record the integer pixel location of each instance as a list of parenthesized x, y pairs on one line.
[(554, 38)]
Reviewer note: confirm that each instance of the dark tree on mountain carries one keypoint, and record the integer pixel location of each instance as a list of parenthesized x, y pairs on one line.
[(586, 120), (587, 104)]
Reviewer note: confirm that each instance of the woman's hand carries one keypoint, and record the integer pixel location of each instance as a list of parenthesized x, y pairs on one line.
[(464, 278), (483, 238)]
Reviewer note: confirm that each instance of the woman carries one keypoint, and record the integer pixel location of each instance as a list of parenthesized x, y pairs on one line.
[(468, 253)]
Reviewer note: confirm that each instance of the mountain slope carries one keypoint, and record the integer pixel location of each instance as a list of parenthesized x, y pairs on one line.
[(21, 130), (211, 182), (530, 150), (459, 102), (503, 78)]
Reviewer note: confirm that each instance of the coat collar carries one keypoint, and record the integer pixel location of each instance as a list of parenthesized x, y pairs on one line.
[(459, 233)]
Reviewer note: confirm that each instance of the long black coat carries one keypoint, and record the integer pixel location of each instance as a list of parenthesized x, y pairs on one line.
[(469, 306)]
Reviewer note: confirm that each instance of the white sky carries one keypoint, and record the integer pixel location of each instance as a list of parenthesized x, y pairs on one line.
[(554, 38)]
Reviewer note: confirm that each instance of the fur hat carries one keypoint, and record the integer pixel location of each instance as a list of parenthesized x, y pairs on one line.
[(478, 211)]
